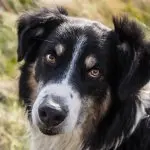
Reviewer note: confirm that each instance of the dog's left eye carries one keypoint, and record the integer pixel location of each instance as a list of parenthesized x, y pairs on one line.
[(50, 59), (94, 73)]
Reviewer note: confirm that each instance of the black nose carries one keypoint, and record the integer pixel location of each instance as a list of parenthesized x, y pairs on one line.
[(52, 116)]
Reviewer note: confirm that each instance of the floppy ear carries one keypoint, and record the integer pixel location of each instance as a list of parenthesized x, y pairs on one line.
[(35, 26), (132, 57)]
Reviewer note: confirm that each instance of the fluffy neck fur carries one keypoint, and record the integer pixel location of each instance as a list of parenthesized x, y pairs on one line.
[(70, 141)]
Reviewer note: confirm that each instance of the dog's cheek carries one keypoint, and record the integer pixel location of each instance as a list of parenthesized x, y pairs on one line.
[(32, 84), (95, 112)]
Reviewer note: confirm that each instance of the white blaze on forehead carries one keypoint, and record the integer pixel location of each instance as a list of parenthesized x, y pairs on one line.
[(90, 61), (59, 49), (77, 50)]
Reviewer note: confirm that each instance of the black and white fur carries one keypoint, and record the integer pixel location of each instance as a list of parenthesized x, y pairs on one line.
[(97, 76)]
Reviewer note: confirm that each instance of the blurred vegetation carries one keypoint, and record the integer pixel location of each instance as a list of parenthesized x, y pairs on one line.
[(12, 118)]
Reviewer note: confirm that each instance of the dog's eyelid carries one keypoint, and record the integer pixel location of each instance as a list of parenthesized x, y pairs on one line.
[(50, 52), (96, 66)]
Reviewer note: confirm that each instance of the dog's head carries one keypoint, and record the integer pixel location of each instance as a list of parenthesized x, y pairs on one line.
[(80, 74)]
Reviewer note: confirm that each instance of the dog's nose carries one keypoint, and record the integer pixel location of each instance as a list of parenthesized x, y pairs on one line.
[(52, 116)]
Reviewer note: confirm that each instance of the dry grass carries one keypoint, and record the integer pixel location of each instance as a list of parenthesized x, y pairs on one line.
[(12, 118), (12, 126)]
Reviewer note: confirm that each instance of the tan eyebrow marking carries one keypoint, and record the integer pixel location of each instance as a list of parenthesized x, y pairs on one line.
[(59, 49), (90, 61)]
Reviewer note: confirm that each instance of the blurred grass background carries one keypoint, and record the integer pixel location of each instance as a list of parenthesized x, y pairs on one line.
[(13, 134)]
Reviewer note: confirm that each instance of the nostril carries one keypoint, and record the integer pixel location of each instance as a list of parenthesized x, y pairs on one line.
[(71, 95), (59, 117), (42, 113)]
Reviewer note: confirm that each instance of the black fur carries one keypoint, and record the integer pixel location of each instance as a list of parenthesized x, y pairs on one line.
[(28, 26), (123, 56)]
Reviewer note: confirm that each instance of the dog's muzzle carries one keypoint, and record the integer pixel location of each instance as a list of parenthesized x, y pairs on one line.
[(56, 109)]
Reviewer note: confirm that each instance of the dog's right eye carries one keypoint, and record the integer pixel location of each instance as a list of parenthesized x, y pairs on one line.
[(50, 59)]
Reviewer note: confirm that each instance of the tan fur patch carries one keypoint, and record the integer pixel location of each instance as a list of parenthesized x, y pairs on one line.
[(96, 112), (90, 61), (59, 49), (32, 84)]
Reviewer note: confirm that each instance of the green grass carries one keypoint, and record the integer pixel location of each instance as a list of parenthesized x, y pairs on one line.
[(13, 134), (12, 127)]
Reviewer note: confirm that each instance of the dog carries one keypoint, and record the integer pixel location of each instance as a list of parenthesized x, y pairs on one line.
[(85, 86)]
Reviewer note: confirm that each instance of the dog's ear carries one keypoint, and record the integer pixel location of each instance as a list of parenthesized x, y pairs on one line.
[(35, 26), (132, 57)]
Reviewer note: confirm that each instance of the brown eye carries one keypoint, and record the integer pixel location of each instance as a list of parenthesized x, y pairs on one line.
[(50, 59), (94, 73)]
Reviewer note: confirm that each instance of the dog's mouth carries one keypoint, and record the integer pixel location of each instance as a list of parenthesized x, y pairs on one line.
[(49, 131)]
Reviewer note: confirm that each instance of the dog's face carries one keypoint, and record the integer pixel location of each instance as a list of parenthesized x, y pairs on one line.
[(79, 73), (71, 72)]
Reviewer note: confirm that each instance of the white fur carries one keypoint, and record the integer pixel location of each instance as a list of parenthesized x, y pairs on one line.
[(140, 114), (144, 95), (69, 141), (77, 49)]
